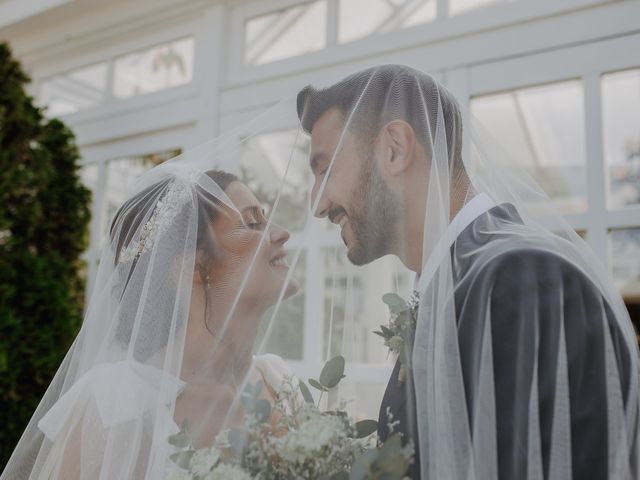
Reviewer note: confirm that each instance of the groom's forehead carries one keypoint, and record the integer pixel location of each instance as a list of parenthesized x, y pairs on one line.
[(325, 134)]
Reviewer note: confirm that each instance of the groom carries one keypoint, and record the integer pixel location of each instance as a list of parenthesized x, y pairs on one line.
[(376, 192)]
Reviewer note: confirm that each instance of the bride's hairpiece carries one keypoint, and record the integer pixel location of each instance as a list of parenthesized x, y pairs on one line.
[(177, 195)]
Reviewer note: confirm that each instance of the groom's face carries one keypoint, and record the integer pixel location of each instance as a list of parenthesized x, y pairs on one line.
[(355, 195)]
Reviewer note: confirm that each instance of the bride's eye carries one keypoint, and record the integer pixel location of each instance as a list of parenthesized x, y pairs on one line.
[(254, 225)]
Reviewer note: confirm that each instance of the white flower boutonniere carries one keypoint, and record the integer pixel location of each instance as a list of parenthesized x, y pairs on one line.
[(399, 332)]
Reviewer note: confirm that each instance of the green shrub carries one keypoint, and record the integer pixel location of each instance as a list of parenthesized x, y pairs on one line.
[(44, 217)]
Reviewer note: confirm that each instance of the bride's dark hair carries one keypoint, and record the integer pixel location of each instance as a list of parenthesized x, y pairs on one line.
[(125, 231)]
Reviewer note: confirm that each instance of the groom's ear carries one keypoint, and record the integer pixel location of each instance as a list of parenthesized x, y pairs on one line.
[(397, 146)]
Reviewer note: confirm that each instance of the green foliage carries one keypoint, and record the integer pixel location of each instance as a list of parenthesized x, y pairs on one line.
[(44, 217)]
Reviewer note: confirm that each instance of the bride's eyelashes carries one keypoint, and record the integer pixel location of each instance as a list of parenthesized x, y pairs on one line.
[(253, 218)]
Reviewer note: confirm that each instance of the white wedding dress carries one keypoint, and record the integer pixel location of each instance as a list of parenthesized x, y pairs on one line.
[(112, 395)]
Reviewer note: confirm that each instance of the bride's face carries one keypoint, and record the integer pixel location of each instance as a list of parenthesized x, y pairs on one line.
[(236, 240)]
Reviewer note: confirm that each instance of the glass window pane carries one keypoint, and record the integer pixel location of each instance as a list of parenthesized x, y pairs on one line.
[(457, 7), (75, 90), (353, 306), (287, 334), (621, 123), (544, 127), (364, 398), (164, 66), (624, 253), (265, 157), (121, 175), (361, 18), (286, 33)]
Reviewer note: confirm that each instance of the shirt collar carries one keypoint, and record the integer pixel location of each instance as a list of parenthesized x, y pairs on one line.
[(478, 205)]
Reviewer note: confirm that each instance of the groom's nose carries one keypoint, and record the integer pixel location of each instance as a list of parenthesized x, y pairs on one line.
[(324, 204)]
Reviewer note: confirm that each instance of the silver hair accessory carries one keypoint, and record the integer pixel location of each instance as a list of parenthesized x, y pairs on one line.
[(166, 210)]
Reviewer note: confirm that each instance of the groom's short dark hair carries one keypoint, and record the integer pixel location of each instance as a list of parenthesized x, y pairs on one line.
[(383, 94)]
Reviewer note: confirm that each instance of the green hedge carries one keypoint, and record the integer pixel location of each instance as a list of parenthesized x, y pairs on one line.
[(44, 217)]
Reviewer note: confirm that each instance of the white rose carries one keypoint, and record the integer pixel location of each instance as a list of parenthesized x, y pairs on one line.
[(395, 342), (311, 437), (227, 472)]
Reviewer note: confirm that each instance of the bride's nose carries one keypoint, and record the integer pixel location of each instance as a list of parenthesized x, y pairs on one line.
[(277, 234)]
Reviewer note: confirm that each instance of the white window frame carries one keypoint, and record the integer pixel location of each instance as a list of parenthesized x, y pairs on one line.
[(442, 28), (587, 62), (124, 45)]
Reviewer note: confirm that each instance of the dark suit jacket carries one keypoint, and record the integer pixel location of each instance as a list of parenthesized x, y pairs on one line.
[(537, 290)]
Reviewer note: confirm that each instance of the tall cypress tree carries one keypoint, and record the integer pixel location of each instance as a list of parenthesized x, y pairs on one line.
[(44, 217)]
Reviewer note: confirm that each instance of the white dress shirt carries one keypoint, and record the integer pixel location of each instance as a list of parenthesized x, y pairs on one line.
[(478, 205)]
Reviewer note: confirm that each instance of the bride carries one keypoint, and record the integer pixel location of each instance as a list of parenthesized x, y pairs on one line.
[(192, 264)]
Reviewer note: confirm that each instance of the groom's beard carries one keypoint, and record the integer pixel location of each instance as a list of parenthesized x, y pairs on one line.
[(373, 218)]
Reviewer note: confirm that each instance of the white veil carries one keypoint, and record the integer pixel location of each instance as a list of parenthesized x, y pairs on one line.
[(189, 271), (525, 362)]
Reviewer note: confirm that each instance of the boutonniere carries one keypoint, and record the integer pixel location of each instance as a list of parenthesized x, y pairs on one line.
[(399, 332)]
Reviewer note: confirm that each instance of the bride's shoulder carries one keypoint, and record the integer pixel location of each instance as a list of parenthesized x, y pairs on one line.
[(116, 392)]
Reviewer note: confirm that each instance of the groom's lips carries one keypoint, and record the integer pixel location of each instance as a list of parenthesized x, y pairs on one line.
[(338, 216), (344, 221)]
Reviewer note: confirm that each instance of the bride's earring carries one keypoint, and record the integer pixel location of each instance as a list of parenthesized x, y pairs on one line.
[(207, 281)]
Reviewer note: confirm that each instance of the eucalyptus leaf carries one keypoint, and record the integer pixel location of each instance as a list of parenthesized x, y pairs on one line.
[(364, 428), (238, 440), (185, 426), (391, 444), (361, 468), (180, 440), (257, 389), (306, 394), (332, 372), (395, 465), (317, 385), (386, 331), (182, 459), (395, 302), (263, 409)]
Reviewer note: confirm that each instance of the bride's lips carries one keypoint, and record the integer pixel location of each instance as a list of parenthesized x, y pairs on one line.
[(279, 260)]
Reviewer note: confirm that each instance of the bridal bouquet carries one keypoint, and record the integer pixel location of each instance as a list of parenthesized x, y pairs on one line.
[(294, 439)]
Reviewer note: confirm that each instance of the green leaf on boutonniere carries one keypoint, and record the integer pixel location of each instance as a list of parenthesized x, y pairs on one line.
[(399, 332), (332, 372), (395, 302)]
